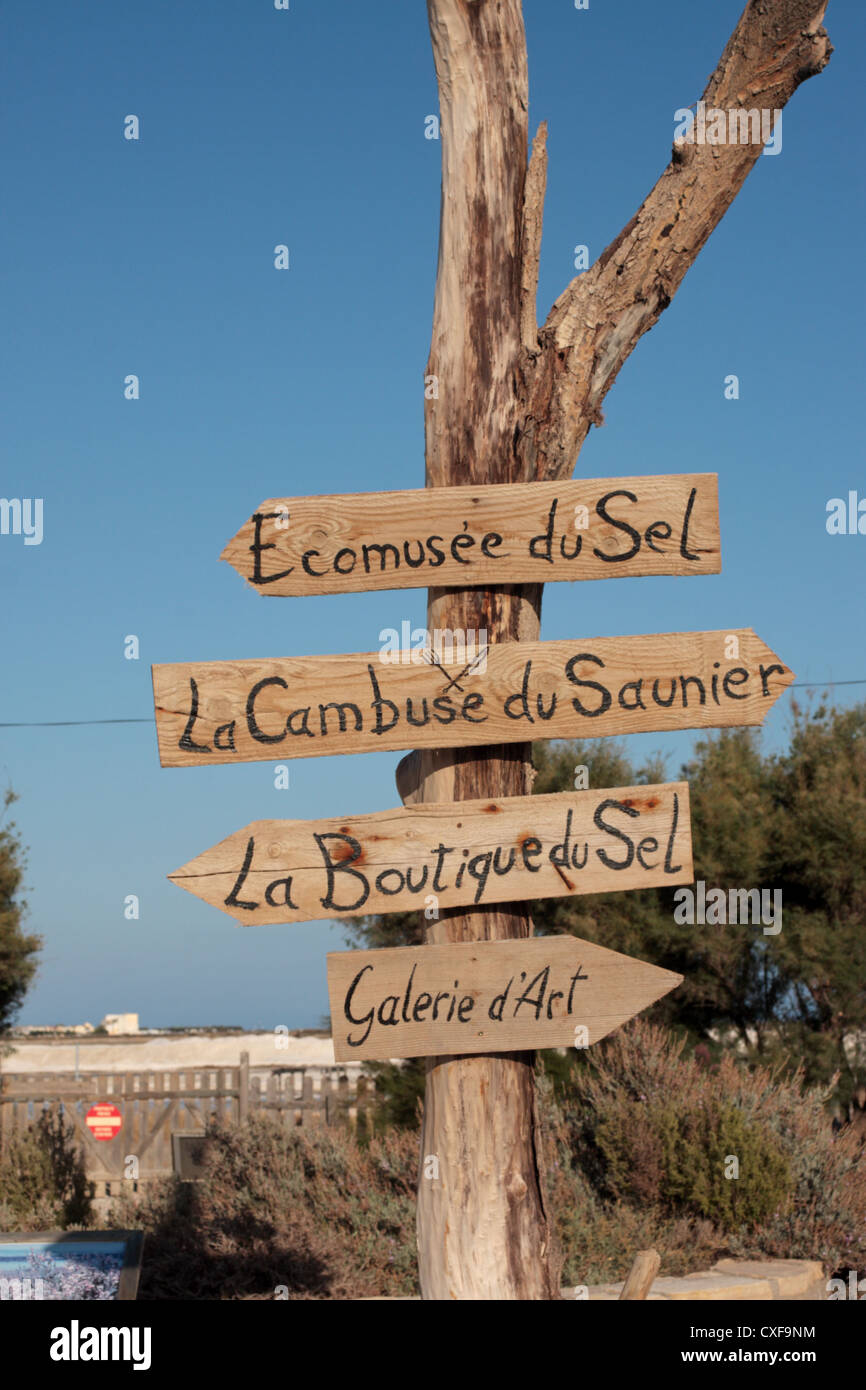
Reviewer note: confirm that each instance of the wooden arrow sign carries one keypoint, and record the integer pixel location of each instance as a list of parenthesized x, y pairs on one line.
[(307, 707), (505, 533), (493, 996), (448, 854)]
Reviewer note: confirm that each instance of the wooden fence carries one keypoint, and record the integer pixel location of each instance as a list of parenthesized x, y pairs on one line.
[(157, 1105)]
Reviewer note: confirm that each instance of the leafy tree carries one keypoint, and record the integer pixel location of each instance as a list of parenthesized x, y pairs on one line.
[(43, 1182), (794, 822), (394, 929), (817, 855), (17, 950), (724, 979), (399, 1093), (730, 979)]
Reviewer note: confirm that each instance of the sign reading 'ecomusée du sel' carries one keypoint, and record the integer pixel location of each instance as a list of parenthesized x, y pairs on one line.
[(501, 533), (499, 996), (511, 849), (306, 707)]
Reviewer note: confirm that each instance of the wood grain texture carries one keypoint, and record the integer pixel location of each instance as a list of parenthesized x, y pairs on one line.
[(645, 1267), (508, 849), (495, 996), (306, 707), (476, 536), (484, 1229)]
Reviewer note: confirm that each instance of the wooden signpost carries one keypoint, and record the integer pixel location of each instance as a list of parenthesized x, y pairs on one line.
[(500, 516), (503, 850), (498, 996), (481, 535), (307, 707)]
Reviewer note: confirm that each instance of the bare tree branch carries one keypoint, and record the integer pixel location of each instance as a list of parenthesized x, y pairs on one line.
[(597, 321), (533, 216)]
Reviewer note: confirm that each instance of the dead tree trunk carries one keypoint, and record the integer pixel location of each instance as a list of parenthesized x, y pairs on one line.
[(511, 403)]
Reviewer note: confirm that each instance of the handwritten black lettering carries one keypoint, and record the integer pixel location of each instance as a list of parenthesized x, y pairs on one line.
[(186, 742), (258, 577), (349, 851), (233, 900)]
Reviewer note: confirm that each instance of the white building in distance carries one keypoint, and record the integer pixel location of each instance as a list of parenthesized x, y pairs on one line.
[(117, 1024)]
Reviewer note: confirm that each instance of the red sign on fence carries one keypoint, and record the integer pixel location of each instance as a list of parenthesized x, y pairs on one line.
[(103, 1121)]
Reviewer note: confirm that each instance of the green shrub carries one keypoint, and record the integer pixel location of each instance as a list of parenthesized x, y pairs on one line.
[(43, 1185), (398, 1094), (682, 1159), (645, 1129)]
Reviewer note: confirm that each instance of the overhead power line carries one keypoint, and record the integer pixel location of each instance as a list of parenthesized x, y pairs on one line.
[(77, 723), (813, 685), (68, 723)]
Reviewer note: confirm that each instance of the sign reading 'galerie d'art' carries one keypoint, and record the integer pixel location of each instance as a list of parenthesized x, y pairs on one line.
[(305, 707), (499, 996), (496, 534), (448, 854)]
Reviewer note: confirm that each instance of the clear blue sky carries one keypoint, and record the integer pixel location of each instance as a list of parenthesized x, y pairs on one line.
[(155, 257)]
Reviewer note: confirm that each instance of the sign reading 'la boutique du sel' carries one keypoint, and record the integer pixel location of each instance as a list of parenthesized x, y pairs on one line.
[(511, 849)]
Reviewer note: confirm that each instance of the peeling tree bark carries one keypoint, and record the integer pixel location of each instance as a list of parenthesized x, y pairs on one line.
[(514, 403)]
